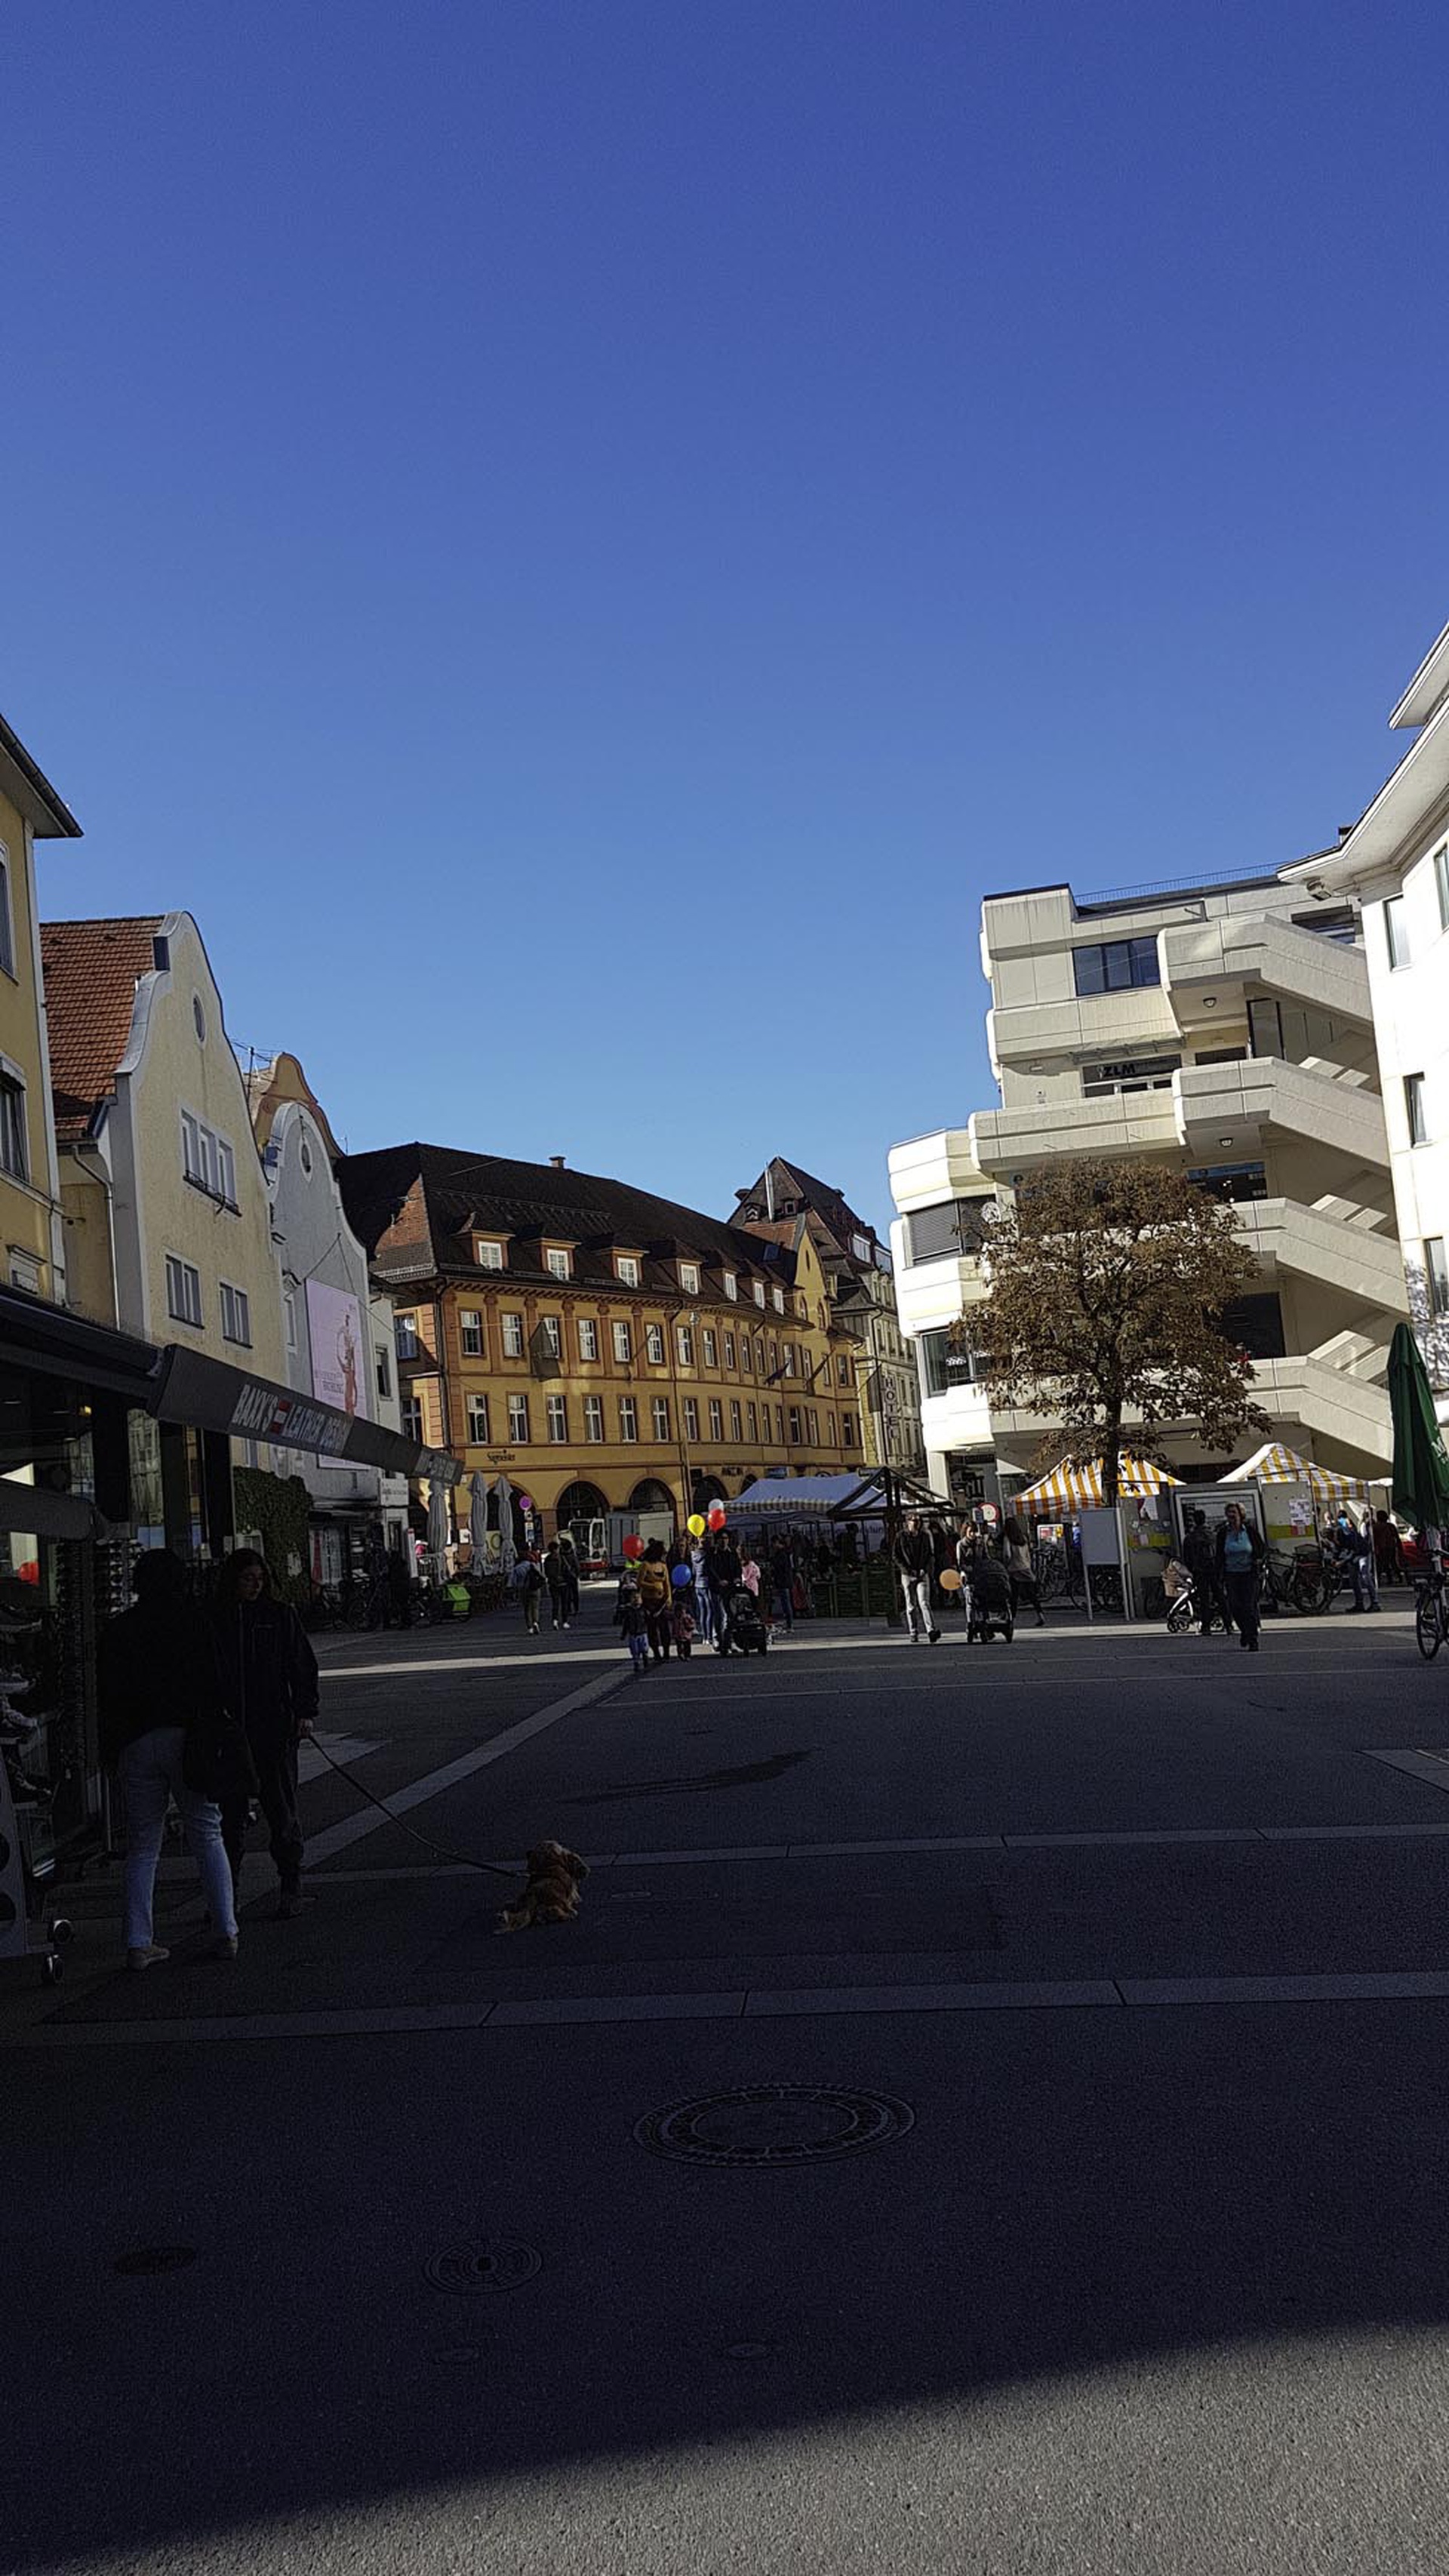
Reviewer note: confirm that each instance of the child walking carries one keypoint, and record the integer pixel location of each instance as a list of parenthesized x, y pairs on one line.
[(682, 1621), (632, 1625)]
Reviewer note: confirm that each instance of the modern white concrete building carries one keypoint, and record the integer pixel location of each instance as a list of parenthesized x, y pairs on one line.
[(1227, 1028), (1394, 865)]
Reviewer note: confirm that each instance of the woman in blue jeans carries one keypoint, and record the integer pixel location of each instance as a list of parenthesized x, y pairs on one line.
[(160, 1694)]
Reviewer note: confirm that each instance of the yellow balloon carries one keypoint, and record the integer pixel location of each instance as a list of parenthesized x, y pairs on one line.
[(695, 1524)]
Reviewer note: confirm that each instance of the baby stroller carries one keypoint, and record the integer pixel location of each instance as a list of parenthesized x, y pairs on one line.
[(990, 1603), (748, 1632)]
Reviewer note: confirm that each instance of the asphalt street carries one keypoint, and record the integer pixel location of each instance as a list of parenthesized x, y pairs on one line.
[(988, 2115)]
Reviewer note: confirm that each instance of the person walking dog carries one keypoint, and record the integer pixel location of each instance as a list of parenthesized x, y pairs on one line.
[(167, 1733)]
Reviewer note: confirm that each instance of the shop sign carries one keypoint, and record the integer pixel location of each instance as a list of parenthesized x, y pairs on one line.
[(264, 1413)]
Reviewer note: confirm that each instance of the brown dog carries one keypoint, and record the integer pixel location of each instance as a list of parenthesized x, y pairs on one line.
[(552, 1893)]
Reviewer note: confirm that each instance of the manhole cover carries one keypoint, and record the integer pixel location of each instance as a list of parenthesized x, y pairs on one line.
[(774, 2124), (483, 2267), (145, 2259)]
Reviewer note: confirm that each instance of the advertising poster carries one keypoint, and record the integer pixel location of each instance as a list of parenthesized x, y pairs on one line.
[(334, 1328)]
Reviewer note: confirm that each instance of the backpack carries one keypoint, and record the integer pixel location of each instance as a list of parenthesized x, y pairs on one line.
[(653, 1582)]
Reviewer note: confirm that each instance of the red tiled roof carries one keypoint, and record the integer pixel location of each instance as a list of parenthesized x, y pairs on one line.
[(90, 970)]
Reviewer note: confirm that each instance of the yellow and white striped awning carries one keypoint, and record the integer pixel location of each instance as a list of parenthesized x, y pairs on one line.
[(1275, 1465), (1077, 1488)]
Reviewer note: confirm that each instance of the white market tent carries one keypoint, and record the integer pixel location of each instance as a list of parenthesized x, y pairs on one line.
[(1275, 1465), (1080, 1488)]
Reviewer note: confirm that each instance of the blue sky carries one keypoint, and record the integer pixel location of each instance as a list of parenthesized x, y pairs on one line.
[(580, 539)]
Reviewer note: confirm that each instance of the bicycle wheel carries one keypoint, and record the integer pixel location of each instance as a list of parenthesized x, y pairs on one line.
[(1179, 1617), (1428, 1625)]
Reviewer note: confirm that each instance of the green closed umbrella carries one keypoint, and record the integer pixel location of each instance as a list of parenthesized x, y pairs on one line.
[(1421, 1469)]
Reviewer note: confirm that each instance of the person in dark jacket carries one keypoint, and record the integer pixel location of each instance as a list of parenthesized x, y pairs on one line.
[(723, 1574), (915, 1559), (569, 1559), (269, 1674), (1200, 1556), (1239, 1557), (159, 1687)]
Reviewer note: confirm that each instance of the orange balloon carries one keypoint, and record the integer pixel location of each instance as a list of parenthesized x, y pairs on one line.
[(949, 1579)]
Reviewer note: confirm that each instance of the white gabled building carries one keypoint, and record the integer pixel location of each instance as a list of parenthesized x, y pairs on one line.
[(1394, 865), (1226, 1028)]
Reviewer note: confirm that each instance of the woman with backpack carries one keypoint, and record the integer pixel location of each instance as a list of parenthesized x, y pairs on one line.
[(652, 1576)]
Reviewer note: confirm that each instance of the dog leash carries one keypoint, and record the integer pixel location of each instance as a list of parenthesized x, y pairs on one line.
[(445, 1851)]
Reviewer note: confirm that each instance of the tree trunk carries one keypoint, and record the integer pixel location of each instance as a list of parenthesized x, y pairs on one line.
[(1111, 1455)]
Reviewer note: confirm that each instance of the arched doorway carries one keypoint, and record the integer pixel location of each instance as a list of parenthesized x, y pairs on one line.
[(650, 1495), (707, 1490), (583, 1512)]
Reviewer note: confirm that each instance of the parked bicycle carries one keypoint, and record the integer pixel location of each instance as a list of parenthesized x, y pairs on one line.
[(1431, 1613)]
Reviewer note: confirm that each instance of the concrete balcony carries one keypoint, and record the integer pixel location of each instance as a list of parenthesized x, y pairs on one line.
[(1210, 968), (960, 1419), (1346, 1418), (928, 1169), (1017, 1138), (1359, 1264), (930, 1294), (1262, 1096)]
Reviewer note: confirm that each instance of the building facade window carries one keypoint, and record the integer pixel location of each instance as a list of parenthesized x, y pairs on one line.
[(626, 1270), (753, 1419), (487, 1254), (236, 1315), (1116, 965), (1124, 1074), (628, 1418), (812, 1426), (716, 1418), (654, 1345), (794, 1425), (470, 1332), (405, 1335), (684, 1343), (759, 1287), (1414, 1109), (731, 1285), (593, 1418), (1436, 1273), (711, 1347), (183, 1291), (289, 1317), (842, 1368), (513, 1337), (1235, 1184), (847, 1431), (551, 1328), (661, 1417), (623, 1342), (950, 1231), (518, 1419), (736, 1425), (410, 1413), (779, 1422), (478, 1421), (789, 1359), (689, 1278), (729, 1352), (1396, 931), (830, 1427), (207, 1160), (945, 1362), (383, 1369), (588, 1338), (778, 1299), (691, 1418), (558, 1419), (557, 1264)]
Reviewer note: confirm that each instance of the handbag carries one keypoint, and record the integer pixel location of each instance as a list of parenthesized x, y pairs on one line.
[(216, 1760)]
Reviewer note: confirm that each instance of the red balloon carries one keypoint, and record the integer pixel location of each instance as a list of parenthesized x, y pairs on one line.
[(633, 1546), (717, 1516)]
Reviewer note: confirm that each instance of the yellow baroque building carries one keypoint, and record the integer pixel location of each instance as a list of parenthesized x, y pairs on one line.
[(606, 1350)]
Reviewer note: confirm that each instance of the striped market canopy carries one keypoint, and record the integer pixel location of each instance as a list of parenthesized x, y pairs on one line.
[(1077, 1488), (1275, 1465)]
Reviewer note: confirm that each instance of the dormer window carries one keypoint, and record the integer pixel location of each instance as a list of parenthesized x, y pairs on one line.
[(487, 1254), (778, 1295), (731, 1284), (557, 1262), (759, 1292), (689, 1278), (626, 1269)]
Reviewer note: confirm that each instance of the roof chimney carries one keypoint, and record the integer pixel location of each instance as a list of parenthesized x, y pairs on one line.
[(556, 1163)]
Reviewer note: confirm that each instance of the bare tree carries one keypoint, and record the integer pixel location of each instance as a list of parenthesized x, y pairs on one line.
[(1107, 1285)]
